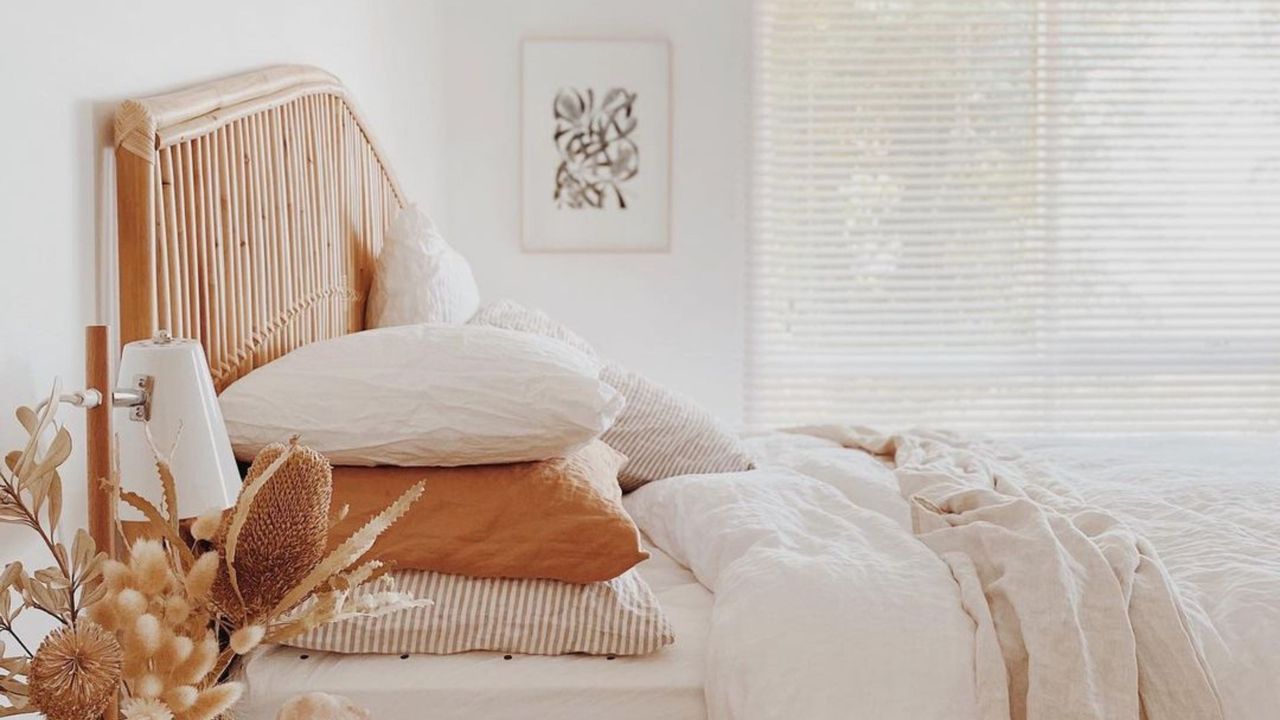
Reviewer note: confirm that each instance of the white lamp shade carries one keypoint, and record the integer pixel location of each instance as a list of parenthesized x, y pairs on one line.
[(182, 396)]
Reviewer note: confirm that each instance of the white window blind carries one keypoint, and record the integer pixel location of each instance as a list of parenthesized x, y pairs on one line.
[(1017, 215)]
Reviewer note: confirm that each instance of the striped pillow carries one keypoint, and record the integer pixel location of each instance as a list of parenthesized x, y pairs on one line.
[(534, 617), (663, 434), (511, 315)]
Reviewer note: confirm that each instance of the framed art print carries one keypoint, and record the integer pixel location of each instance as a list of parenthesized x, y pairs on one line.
[(596, 145)]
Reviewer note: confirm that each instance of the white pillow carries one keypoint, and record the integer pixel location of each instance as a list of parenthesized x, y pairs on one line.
[(419, 277), (425, 395)]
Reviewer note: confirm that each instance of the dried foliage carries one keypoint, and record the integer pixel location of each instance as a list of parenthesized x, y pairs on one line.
[(178, 611), (167, 628), (184, 612), (75, 673), (31, 495)]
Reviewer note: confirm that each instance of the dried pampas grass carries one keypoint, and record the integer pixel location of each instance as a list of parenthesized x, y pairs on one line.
[(214, 701), (168, 645), (145, 709)]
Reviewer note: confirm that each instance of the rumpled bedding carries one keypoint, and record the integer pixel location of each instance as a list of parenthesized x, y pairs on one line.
[(822, 609), (972, 580)]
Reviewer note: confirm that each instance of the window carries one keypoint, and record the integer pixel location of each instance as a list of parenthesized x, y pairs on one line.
[(1002, 215)]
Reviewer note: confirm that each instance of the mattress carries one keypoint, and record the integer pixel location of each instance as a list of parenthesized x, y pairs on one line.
[(667, 684)]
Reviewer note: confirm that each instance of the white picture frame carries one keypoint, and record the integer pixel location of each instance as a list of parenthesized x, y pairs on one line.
[(595, 145)]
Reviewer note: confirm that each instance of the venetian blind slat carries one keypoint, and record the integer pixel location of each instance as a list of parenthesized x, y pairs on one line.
[(1016, 215)]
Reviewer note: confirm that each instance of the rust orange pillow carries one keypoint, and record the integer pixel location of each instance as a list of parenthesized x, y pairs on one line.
[(560, 519)]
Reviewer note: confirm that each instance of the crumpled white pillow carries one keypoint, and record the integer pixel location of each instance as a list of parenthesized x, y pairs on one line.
[(424, 396), (419, 277)]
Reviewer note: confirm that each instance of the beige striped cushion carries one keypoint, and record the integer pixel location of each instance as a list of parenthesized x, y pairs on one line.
[(512, 315), (535, 617), (663, 434)]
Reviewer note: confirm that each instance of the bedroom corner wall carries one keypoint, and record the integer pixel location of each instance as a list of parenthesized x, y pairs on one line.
[(678, 317), (63, 68)]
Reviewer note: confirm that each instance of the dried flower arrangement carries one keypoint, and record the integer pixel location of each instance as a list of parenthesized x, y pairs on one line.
[(160, 627)]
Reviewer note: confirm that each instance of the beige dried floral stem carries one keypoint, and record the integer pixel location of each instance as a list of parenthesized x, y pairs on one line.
[(7, 579), (164, 467), (166, 524), (31, 495), (37, 477), (157, 604), (333, 569), (331, 584), (352, 549), (336, 605), (32, 486)]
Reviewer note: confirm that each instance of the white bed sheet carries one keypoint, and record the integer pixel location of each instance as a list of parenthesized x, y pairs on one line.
[(667, 684), (1209, 505)]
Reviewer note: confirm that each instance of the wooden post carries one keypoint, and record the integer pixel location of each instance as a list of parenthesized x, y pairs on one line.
[(136, 262), (97, 376)]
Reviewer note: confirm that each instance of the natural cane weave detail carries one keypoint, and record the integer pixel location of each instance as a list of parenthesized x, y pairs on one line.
[(258, 228)]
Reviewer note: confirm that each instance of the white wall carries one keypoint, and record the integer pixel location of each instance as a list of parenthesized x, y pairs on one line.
[(678, 317), (63, 68)]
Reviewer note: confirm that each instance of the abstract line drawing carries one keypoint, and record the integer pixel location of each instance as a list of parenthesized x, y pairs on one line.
[(597, 153)]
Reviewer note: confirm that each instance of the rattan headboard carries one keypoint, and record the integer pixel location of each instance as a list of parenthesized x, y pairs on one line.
[(250, 212)]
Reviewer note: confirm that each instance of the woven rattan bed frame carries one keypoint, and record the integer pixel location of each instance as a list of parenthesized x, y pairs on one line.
[(250, 212)]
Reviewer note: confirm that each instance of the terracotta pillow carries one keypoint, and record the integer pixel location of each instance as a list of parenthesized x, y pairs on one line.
[(558, 519)]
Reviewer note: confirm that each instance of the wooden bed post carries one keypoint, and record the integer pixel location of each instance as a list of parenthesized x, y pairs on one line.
[(97, 376), (135, 213)]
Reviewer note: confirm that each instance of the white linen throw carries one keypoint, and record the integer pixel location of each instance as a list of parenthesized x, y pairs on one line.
[(1076, 617)]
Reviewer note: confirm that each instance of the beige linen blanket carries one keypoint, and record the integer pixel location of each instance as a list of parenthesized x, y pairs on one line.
[(1075, 615)]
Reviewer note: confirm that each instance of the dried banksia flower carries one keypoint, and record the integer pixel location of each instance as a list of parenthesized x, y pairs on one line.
[(285, 531), (76, 672)]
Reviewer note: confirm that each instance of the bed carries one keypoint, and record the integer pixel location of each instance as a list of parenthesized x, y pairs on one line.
[(251, 210)]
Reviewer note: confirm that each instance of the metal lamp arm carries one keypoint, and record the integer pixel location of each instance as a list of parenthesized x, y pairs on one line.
[(137, 396)]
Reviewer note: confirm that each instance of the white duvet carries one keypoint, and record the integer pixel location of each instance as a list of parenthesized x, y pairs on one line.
[(826, 605)]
